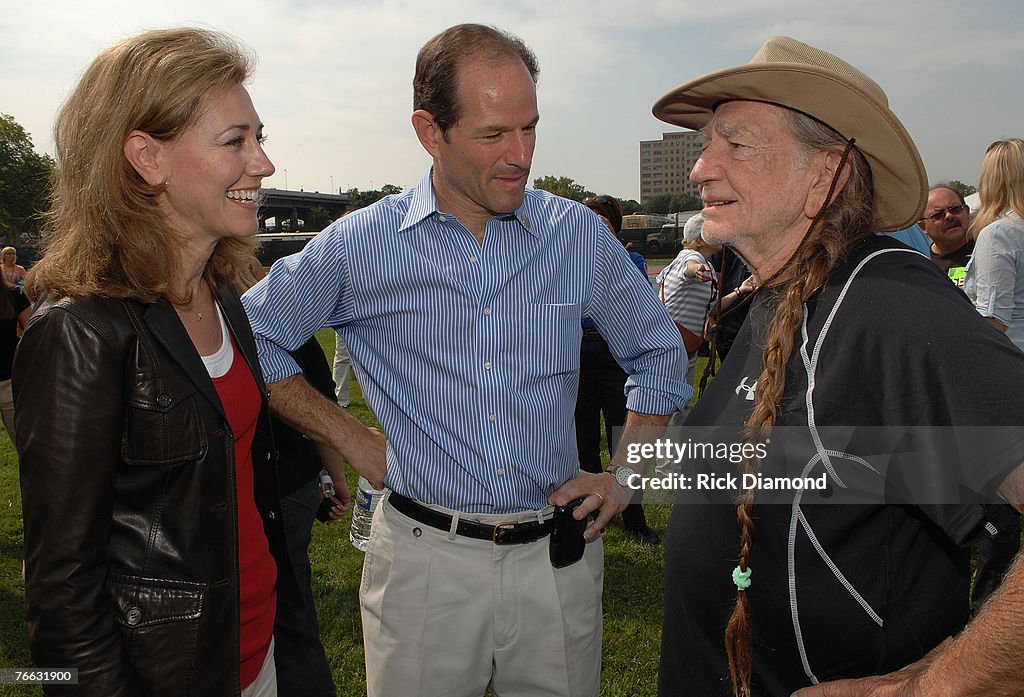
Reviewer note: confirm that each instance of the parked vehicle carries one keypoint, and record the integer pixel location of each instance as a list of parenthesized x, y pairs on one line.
[(669, 237)]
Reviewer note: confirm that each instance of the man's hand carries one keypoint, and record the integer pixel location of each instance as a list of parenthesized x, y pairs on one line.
[(295, 401), (342, 502), (600, 492), (335, 465), (368, 456)]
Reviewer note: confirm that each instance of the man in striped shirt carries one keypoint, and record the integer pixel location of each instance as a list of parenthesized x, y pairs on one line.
[(460, 301)]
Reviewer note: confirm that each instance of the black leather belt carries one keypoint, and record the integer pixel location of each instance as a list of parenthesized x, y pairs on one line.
[(510, 533)]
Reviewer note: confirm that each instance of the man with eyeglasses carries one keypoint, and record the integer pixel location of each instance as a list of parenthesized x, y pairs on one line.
[(945, 223)]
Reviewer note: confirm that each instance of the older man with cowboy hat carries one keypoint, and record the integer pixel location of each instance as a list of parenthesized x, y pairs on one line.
[(849, 382)]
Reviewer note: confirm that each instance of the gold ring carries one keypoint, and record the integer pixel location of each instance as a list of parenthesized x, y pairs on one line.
[(598, 496)]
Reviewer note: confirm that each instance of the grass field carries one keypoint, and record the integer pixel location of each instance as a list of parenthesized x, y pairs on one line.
[(632, 599)]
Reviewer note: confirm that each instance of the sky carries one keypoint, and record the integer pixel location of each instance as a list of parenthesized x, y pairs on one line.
[(333, 83)]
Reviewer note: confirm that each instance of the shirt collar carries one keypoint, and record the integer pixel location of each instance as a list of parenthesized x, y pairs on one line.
[(424, 205)]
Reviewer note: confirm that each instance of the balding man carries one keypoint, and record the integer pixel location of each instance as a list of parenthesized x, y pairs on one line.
[(468, 352), (945, 221)]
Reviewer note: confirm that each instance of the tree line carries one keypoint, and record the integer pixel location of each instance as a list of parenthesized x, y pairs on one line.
[(666, 203), (24, 184)]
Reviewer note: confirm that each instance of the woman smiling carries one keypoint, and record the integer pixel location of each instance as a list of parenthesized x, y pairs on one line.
[(151, 512)]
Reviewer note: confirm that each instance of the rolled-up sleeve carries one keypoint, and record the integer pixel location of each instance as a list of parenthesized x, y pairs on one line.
[(300, 295), (996, 269), (639, 333)]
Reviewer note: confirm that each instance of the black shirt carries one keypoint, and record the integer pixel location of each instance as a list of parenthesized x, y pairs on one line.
[(9, 331), (955, 260), (866, 579)]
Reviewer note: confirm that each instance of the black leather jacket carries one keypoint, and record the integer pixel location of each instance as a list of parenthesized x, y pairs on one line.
[(128, 490)]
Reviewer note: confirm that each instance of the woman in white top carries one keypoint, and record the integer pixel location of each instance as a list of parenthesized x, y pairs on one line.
[(995, 284), (688, 288), (995, 274)]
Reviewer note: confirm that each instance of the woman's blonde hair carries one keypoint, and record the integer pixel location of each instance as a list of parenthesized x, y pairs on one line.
[(837, 228), (1001, 183), (105, 233)]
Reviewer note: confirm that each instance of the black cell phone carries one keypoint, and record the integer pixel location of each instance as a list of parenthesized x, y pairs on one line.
[(323, 514), (567, 542)]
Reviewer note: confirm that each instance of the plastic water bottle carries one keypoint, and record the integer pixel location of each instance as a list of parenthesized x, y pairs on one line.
[(367, 499)]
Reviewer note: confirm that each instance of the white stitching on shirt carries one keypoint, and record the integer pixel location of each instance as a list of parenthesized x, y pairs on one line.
[(822, 455)]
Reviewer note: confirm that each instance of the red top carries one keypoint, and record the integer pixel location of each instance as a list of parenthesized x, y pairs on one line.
[(257, 571)]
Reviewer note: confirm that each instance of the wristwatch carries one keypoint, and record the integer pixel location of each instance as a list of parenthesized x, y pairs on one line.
[(621, 474)]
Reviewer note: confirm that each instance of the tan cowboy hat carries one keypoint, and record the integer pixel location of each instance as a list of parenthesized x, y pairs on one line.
[(792, 74)]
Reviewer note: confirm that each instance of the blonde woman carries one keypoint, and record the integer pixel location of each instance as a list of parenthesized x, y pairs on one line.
[(152, 518), (995, 274), (13, 272)]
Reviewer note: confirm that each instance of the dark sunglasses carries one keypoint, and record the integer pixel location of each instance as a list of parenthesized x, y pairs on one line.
[(940, 215)]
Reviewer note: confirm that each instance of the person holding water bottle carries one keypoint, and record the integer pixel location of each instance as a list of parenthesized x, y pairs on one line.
[(484, 564)]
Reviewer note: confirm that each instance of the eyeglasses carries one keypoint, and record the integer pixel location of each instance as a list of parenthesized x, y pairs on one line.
[(940, 215)]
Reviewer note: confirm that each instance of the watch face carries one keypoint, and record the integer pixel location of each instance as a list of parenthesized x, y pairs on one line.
[(622, 475)]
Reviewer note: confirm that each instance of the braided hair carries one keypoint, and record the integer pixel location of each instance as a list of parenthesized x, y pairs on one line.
[(836, 228)]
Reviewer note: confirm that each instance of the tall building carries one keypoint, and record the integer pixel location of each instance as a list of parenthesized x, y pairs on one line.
[(665, 164)]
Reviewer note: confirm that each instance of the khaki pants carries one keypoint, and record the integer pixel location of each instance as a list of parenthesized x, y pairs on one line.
[(448, 615)]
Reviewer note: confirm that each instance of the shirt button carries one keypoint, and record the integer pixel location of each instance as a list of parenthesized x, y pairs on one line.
[(487, 365), (442, 218), (492, 418), (487, 311), (473, 259), (501, 472)]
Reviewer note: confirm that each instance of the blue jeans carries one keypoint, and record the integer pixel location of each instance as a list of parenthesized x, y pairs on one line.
[(302, 667)]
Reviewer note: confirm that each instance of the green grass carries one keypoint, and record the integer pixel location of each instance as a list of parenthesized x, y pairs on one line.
[(632, 599)]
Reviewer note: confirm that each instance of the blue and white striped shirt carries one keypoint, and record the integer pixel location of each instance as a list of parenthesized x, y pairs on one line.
[(467, 353)]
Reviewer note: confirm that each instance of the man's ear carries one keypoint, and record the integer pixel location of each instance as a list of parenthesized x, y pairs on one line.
[(921, 225), (144, 153), (826, 162), (427, 130)]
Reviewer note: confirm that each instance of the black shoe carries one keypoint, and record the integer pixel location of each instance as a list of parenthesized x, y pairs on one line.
[(645, 535)]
